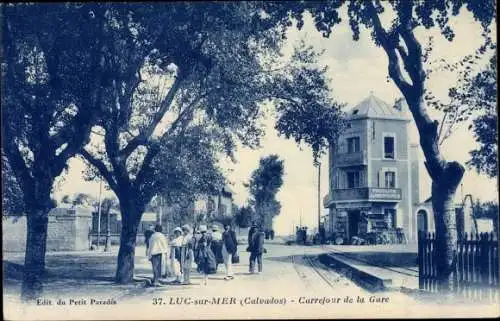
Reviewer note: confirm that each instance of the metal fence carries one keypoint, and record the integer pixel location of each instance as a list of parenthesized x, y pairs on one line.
[(476, 272)]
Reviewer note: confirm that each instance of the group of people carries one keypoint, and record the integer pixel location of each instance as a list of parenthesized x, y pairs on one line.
[(301, 235), (206, 249)]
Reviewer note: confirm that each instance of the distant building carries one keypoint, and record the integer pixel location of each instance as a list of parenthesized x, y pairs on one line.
[(373, 173), (220, 204)]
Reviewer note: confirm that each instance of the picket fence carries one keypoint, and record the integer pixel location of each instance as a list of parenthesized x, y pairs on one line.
[(476, 273)]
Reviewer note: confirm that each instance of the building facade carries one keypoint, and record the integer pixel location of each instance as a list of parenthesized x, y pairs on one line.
[(373, 187)]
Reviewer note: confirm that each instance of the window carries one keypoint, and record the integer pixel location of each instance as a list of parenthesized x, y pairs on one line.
[(390, 214), (389, 147), (390, 179), (353, 145), (353, 179)]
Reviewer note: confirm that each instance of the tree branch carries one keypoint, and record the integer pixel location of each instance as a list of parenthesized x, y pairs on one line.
[(101, 167), (441, 128), (144, 136), (390, 49)]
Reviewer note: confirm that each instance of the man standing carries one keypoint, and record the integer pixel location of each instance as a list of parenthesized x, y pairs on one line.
[(256, 249), (229, 248), (250, 235), (147, 235), (158, 246)]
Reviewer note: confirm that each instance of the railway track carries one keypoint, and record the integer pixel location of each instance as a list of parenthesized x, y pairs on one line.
[(303, 265)]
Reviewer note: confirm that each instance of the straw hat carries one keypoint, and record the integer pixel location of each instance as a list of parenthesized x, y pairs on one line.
[(215, 228), (202, 228), (186, 227), (177, 229)]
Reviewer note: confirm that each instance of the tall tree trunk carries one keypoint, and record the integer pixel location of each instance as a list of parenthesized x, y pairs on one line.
[(36, 244), (443, 205), (131, 217)]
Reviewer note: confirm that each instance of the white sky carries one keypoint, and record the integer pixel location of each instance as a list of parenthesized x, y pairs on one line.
[(355, 68)]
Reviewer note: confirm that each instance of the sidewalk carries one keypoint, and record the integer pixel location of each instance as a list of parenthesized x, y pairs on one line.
[(376, 267)]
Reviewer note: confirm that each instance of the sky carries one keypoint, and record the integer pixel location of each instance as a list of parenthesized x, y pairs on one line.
[(355, 69)]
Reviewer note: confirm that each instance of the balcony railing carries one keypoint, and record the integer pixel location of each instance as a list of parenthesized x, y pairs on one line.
[(367, 193), (351, 159)]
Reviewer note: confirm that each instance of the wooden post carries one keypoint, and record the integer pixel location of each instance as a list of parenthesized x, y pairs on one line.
[(420, 260)]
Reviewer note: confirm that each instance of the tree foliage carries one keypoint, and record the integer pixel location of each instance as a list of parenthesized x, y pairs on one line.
[(264, 184), (243, 216), (50, 82), (481, 94), (12, 195)]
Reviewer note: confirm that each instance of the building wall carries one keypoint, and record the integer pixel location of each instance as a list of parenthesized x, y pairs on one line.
[(202, 204), (379, 127), (400, 164)]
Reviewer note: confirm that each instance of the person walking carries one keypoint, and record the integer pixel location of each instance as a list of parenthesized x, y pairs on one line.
[(229, 249), (256, 250), (176, 255), (188, 247), (157, 246), (205, 258), (216, 245)]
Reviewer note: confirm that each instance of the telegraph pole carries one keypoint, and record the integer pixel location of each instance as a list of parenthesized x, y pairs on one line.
[(108, 234), (99, 216), (319, 195)]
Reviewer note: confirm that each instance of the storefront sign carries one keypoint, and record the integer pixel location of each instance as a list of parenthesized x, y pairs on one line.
[(385, 193)]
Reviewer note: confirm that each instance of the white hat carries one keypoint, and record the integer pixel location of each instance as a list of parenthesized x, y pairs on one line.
[(186, 227), (202, 228), (215, 228), (177, 229)]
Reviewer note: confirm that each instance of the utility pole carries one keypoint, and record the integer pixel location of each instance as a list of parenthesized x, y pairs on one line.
[(99, 216), (108, 234), (159, 216), (319, 195)]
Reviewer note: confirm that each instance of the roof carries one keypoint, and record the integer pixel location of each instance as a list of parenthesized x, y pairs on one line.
[(374, 107)]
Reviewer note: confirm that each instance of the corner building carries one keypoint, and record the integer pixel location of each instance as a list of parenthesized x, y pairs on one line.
[(373, 171)]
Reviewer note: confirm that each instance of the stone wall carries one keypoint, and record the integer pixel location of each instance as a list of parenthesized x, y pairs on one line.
[(68, 230)]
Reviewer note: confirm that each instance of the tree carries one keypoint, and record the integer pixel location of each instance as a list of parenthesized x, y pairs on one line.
[(66, 199), (51, 80), (243, 216), (12, 195), (85, 199), (487, 210), (175, 102), (264, 184), (405, 67), (481, 94), (474, 97)]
